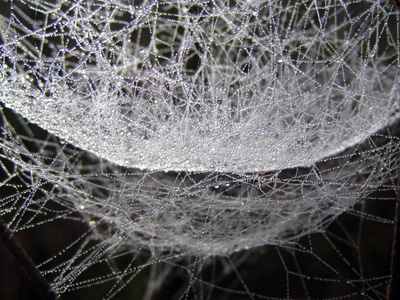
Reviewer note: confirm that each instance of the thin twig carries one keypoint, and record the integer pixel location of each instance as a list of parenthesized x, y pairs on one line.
[(26, 262), (393, 292)]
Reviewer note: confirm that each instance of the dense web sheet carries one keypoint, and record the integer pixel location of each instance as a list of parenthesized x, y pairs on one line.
[(211, 86), (175, 131)]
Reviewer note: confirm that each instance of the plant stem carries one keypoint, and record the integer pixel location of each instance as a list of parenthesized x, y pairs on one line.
[(393, 292), (26, 263)]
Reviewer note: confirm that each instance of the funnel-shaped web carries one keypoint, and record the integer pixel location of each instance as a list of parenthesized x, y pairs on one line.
[(216, 125)]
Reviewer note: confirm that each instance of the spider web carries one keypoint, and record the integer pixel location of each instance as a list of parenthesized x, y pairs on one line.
[(178, 137)]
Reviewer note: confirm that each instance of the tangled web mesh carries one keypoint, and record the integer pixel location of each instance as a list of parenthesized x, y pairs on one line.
[(201, 127)]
